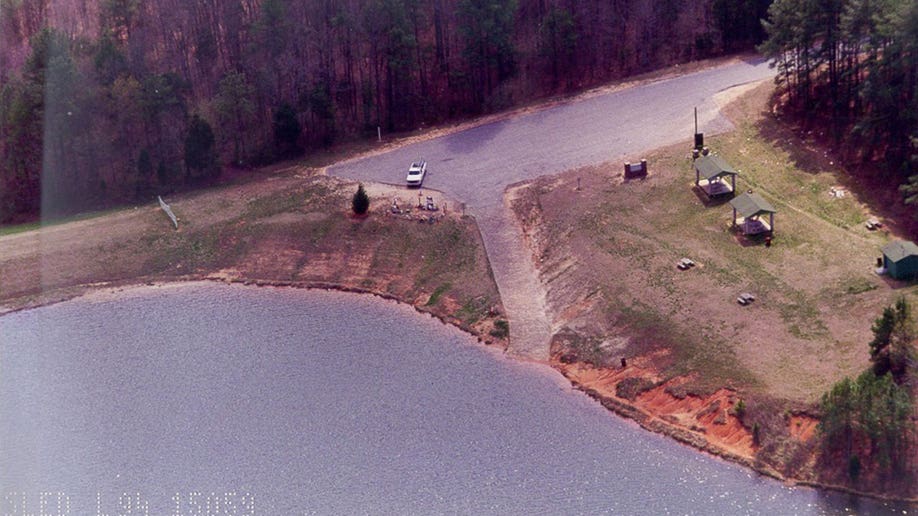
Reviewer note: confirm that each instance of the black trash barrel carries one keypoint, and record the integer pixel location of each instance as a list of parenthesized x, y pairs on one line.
[(699, 140)]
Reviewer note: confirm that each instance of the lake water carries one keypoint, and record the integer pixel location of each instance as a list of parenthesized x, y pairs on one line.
[(215, 399)]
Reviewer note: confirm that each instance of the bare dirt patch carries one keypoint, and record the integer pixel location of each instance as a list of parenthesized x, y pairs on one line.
[(802, 427)]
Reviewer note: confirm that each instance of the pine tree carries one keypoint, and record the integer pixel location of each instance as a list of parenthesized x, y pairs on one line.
[(361, 201), (893, 333)]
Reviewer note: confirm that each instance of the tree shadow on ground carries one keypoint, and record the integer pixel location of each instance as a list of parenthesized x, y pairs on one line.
[(754, 59), (472, 140), (812, 151)]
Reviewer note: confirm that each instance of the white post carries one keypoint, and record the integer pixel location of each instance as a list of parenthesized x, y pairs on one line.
[(379, 133), (168, 210)]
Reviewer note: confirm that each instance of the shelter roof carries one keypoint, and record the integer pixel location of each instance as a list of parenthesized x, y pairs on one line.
[(751, 204), (900, 249), (712, 166)]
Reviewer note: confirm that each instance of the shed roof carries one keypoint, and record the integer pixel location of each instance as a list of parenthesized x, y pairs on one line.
[(712, 166), (751, 204), (900, 249)]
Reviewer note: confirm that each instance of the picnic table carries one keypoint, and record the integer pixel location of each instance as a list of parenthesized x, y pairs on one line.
[(745, 298)]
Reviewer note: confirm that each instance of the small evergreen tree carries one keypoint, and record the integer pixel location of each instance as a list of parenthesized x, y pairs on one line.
[(740, 409), (361, 201)]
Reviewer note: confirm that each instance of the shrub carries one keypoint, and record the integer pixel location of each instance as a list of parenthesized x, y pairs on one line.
[(361, 201), (438, 293), (632, 387), (501, 329), (740, 409)]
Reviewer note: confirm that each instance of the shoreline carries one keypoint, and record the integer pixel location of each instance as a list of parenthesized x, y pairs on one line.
[(644, 418), (653, 423), (65, 294), (419, 298)]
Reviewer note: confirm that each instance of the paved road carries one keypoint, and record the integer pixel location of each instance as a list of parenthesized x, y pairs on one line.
[(476, 165)]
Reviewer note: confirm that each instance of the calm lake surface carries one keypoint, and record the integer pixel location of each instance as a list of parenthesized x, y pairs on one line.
[(215, 399)]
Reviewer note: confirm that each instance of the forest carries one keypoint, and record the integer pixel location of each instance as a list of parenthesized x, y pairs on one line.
[(112, 101), (850, 68)]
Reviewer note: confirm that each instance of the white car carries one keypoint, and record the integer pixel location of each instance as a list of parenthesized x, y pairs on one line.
[(416, 173)]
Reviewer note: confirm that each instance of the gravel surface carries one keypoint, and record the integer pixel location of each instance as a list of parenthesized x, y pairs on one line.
[(477, 164)]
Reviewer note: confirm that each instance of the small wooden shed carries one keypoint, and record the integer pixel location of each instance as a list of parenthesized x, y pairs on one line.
[(900, 259), (751, 208), (711, 174)]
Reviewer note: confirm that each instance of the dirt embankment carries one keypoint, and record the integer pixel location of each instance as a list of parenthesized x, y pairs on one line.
[(292, 228), (709, 422), (742, 382)]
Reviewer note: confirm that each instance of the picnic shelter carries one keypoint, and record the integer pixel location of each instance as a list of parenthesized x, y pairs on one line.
[(712, 174), (749, 210)]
